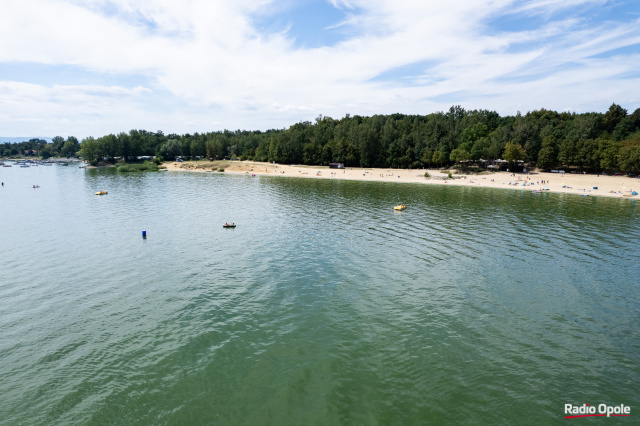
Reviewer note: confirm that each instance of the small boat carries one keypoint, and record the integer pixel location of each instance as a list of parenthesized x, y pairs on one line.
[(400, 207), (229, 225), (101, 193)]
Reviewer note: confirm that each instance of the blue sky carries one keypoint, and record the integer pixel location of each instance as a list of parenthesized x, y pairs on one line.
[(92, 67)]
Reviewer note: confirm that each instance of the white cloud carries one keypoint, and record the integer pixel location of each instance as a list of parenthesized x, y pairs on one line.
[(209, 68), (547, 7)]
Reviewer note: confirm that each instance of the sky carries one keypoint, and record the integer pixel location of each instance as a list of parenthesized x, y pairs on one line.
[(92, 67)]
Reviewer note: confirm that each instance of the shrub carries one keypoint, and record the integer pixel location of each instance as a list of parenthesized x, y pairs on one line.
[(221, 169), (427, 175), (145, 167)]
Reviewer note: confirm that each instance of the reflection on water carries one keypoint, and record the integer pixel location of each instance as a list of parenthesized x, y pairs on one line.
[(323, 305)]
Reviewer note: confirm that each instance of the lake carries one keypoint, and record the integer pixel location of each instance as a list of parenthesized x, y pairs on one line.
[(323, 306)]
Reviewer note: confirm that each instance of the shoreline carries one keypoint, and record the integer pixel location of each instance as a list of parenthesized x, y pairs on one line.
[(577, 184)]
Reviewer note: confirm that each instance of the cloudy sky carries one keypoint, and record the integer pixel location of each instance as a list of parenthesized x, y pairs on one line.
[(92, 67)]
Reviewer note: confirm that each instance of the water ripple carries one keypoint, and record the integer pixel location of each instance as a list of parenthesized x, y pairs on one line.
[(324, 305)]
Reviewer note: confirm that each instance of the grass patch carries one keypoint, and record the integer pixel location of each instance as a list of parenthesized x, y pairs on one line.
[(132, 168)]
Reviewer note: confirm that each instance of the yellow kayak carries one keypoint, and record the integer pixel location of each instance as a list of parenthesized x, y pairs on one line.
[(101, 193), (400, 207)]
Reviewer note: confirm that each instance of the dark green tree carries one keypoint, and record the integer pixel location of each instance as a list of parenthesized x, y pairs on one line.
[(612, 117), (548, 156)]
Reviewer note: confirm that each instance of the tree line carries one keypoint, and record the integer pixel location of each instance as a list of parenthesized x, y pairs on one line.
[(58, 147), (547, 139)]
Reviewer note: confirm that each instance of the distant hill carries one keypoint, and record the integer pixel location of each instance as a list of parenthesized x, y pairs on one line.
[(4, 139)]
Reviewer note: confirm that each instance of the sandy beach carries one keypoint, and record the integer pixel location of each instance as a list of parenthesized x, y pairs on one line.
[(568, 183)]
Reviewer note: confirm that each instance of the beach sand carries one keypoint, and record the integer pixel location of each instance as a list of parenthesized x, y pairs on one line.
[(607, 186)]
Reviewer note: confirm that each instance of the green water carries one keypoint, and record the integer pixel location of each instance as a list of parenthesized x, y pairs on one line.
[(323, 306)]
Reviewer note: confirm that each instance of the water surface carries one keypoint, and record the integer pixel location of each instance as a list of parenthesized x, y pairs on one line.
[(324, 306)]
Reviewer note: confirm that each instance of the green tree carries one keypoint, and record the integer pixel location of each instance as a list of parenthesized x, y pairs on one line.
[(629, 159), (588, 157), (608, 153), (427, 157), (482, 148), (110, 146), (69, 149), (213, 149), (198, 145), (459, 155), (514, 153), (76, 144), (473, 133), (438, 158), (629, 154), (171, 149), (57, 143), (624, 128), (91, 150), (548, 155), (568, 151), (614, 116), (46, 152)]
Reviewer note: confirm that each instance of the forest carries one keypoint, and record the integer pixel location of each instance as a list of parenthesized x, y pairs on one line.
[(592, 142)]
